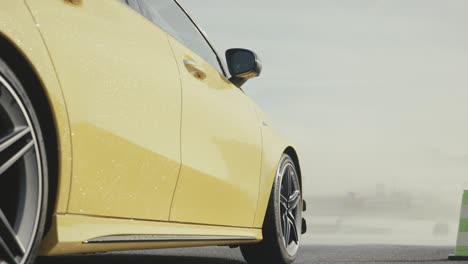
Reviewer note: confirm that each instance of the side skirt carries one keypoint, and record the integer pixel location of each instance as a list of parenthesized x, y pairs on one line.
[(157, 238), (72, 234)]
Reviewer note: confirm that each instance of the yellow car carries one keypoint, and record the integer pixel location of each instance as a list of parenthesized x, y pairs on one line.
[(121, 128)]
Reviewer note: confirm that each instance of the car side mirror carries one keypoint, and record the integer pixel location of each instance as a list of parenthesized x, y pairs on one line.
[(243, 65)]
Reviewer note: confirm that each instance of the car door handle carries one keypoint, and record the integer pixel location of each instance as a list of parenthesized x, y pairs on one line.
[(74, 2), (195, 69)]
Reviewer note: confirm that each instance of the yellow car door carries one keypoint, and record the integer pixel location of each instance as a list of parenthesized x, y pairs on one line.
[(221, 135), (122, 89)]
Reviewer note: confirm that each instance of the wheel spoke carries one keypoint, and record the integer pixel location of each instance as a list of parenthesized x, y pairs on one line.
[(287, 231), (13, 137), (5, 254), (294, 200), (5, 166), (292, 223), (8, 235), (284, 202)]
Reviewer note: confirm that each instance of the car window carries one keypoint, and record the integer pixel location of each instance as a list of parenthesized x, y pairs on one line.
[(170, 17)]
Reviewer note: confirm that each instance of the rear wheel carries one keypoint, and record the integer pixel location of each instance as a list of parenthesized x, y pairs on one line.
[(23, 173), (282, 227)]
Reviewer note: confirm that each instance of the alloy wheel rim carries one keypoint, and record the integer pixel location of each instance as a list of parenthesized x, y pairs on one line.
[(290, 208), (20, 178)]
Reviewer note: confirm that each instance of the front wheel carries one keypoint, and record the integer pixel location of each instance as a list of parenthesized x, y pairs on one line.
[(23, 173), (282, 227)]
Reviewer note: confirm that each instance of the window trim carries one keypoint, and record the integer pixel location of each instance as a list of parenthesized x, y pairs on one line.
[(202, 33), (135, 5), (144, 13)]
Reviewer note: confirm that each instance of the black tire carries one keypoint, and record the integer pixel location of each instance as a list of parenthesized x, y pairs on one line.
[(273, 248), (27, 151)]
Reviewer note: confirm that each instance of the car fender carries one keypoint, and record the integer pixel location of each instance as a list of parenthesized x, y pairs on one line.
[(274, 146)]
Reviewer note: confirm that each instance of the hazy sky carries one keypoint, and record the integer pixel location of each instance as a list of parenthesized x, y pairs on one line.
[(371, 92)]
